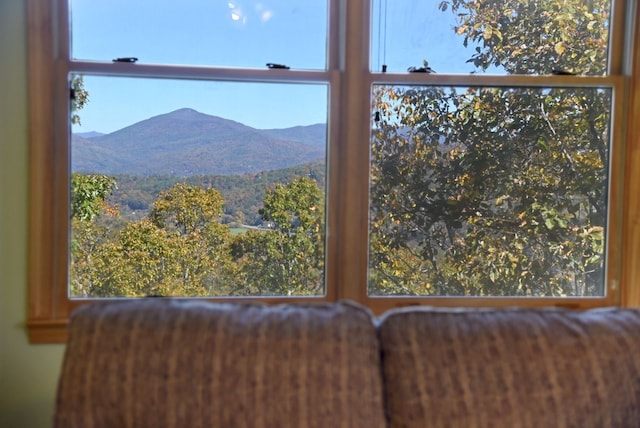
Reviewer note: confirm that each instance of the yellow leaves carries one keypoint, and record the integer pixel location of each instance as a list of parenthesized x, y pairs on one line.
[(559, 48), (453, 153), (491, 31), (588, 160), (488, 32), (463, 180), (501, 199), (523, 219), (111, 210)]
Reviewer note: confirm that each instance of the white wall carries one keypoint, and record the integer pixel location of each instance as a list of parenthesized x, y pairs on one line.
[(28, 373)]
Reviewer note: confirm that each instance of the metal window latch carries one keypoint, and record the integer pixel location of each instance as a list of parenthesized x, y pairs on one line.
[(425, 69), (560, 72), (126, 59), (281, 66)]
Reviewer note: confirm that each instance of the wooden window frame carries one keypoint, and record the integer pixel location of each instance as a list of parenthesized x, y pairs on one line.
[(348, 161)]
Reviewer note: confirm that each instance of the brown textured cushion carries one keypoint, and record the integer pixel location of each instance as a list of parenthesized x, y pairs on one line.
[(176, 363), (512, 368)]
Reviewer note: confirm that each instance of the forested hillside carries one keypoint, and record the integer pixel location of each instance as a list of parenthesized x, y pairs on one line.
[(243, 194)]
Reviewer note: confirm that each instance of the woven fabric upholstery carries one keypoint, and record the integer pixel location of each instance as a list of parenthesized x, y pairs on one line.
[(176, 363), (511, 368)]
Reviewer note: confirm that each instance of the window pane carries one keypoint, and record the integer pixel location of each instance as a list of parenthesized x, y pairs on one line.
[(191, 188), (242, 33), (488, 191), (498, 37)]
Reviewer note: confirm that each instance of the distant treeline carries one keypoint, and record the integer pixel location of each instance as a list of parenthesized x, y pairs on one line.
[(243, 194)]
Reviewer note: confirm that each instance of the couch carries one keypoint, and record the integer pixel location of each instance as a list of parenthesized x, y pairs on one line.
[(185, 363)]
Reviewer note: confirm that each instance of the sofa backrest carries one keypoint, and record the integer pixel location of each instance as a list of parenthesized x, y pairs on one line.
[(177, 363), (511, 368)]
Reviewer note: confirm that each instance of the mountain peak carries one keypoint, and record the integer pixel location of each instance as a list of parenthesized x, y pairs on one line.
[(190, 116), (184, 113), (184, 110)]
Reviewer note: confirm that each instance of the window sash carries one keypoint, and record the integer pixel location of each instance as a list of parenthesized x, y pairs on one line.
[(211, 74), (359, 95)]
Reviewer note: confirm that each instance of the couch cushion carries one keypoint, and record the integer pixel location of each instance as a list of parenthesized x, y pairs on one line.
[(512, 368), (177, 363)]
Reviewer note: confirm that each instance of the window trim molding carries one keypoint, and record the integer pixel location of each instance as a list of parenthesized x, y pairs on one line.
[(42, 302), (630, 275), (347, 167)]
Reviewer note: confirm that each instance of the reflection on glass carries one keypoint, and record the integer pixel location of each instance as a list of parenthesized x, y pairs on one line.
[(241, 33), (488, 191), (498, 37), (182, 188)]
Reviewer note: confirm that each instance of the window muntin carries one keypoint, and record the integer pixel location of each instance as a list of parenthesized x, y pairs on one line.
[(489, 191), (464, 36), (238, 33), (188, 203)]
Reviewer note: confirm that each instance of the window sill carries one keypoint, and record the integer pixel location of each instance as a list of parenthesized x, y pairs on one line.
[(47, 331)]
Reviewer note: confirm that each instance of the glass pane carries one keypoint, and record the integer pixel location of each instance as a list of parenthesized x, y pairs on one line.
[(238, 33), (191, 188), (497, 37), (488, 191)]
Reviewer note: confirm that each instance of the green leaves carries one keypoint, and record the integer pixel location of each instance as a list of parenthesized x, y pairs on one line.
[(88, 193), (80, 96)]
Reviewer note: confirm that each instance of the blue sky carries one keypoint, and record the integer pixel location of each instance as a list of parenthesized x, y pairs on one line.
[(243, 33)]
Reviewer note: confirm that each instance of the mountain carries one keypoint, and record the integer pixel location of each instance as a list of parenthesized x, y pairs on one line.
[(90, 134), (312, 134), (186, 142)]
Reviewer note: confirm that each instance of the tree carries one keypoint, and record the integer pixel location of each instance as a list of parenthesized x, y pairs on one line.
[(180, 249), (539, 37), (497, 191), (88, 194), (88, 201), (288, 259), (138, 262), (199, 242), (80, 97)]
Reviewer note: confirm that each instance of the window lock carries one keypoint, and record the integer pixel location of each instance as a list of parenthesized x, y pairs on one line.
[(281, 66), (126, 59), (425, 69), (560, 72)]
